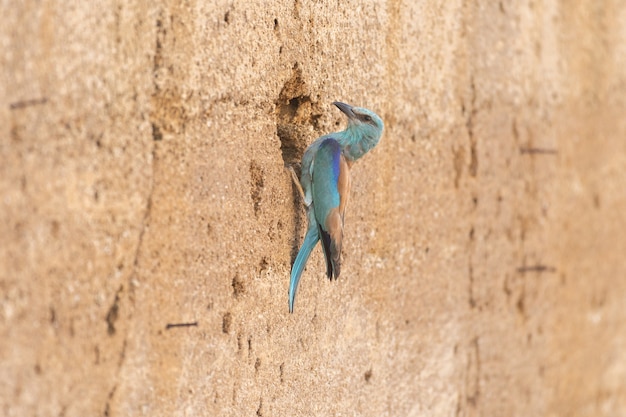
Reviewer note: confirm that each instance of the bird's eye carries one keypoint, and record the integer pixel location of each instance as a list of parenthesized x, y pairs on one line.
[(367, 118)]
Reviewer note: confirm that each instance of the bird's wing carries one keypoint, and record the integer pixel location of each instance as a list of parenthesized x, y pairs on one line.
[(331, 187)]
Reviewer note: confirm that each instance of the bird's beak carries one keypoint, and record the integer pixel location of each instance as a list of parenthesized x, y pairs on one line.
[(346, 109)]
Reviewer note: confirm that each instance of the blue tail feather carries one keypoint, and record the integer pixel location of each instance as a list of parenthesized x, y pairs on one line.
[(310, 240)]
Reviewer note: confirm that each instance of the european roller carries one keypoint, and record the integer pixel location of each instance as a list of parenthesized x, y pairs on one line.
[(325, 186)]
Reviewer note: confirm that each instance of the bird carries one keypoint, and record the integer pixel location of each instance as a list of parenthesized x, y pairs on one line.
[(324, 186)]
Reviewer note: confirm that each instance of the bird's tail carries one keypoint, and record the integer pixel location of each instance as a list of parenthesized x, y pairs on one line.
[(310, 240)]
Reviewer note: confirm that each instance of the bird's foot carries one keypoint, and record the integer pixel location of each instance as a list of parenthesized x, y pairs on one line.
[(296, 181)]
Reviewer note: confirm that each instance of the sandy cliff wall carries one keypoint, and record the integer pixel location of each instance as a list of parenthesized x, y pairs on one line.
[(142, 183)]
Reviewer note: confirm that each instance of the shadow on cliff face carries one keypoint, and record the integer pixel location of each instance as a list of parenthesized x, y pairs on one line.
[(295, 111)]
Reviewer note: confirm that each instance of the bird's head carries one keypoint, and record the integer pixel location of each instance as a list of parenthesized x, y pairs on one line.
[(361, 118), (364, 129)]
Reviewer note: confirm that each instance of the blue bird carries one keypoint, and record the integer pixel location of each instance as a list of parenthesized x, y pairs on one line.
[(325, 186)]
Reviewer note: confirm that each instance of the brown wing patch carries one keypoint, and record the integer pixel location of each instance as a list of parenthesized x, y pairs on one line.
[(343, 185)]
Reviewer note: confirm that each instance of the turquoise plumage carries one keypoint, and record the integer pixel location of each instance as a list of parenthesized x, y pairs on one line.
[(325, 186)]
